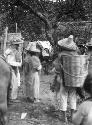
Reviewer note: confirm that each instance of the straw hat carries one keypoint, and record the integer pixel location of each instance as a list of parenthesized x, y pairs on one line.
[(71, 37), (89, 44), (68, 43), (33, 48), (15, 42)]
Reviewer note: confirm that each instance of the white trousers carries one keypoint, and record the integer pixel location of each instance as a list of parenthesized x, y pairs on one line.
[(63, 96), (15, 83), (36, 81), (18, 77)]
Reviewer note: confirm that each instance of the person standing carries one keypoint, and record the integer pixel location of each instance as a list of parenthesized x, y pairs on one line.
[(14, 59), (32, 68), (69, 48)]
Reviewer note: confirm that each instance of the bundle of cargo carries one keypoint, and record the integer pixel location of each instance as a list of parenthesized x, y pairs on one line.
[(46, 48), (75, 69)]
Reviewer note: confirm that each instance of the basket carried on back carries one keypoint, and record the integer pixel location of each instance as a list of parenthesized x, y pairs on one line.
[(75, 70)]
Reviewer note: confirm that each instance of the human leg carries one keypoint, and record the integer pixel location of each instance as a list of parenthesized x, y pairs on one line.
[(36, 81), (14, 85), (63, 103), (72, 100), (18, 77), (29, 87)]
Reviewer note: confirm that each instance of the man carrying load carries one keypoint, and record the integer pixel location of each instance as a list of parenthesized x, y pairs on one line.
[(68, 48)]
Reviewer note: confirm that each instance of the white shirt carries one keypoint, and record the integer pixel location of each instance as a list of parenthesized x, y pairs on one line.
[(10, 58)]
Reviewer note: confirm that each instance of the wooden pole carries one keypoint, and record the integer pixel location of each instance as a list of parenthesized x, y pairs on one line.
[(16, 27), (5, 40)]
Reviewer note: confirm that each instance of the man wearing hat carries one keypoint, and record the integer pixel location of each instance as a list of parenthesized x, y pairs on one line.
[(68, 48), (32, 68), (14, 58)]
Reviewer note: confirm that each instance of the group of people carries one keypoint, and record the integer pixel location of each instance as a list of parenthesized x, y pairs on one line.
[(83, 115), (32, 70)]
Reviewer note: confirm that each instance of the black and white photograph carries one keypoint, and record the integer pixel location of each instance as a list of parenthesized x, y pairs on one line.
[(45, 62)]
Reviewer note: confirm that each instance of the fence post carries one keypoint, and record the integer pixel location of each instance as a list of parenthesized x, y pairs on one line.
[(5, 40)]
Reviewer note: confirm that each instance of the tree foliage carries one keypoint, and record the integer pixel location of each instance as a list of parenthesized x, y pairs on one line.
[(38, 19)]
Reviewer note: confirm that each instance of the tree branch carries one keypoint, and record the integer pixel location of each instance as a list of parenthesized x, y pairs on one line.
[(42, 7), (38, 14)]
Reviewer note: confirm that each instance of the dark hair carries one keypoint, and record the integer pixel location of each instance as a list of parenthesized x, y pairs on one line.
[(88, 84)]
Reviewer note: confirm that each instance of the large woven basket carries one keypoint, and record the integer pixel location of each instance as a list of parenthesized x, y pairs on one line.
[(75, 70)]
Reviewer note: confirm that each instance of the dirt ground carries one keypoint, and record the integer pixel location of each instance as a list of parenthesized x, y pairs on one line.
[(41, 113)]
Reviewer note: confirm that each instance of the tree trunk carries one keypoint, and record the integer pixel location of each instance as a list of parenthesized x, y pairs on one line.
[(43, 17), (49, 35)]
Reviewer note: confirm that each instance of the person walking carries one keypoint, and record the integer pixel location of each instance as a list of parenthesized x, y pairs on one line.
[(32, 68), (14, 59)]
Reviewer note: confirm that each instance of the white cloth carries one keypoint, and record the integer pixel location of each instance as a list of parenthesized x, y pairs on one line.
[(62, 99), (44, 53), (14, 86), (36, 85), (10, 58), (15, 82), (18, 77), (45, 44), (65, 93), (40, 67), (33, 86)]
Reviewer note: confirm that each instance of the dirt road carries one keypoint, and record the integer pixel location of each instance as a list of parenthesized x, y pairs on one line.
[(41, 113)]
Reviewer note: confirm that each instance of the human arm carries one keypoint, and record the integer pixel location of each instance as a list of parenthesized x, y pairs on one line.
[(56, 66), (40, 67), (12, 62), (36, 63)]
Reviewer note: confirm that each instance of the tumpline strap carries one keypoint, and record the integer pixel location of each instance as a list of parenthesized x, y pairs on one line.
[(88, 99)]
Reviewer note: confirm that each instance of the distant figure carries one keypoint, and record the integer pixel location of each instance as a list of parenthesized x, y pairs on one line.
[(32, 68), (84, 114), (14, 58)]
